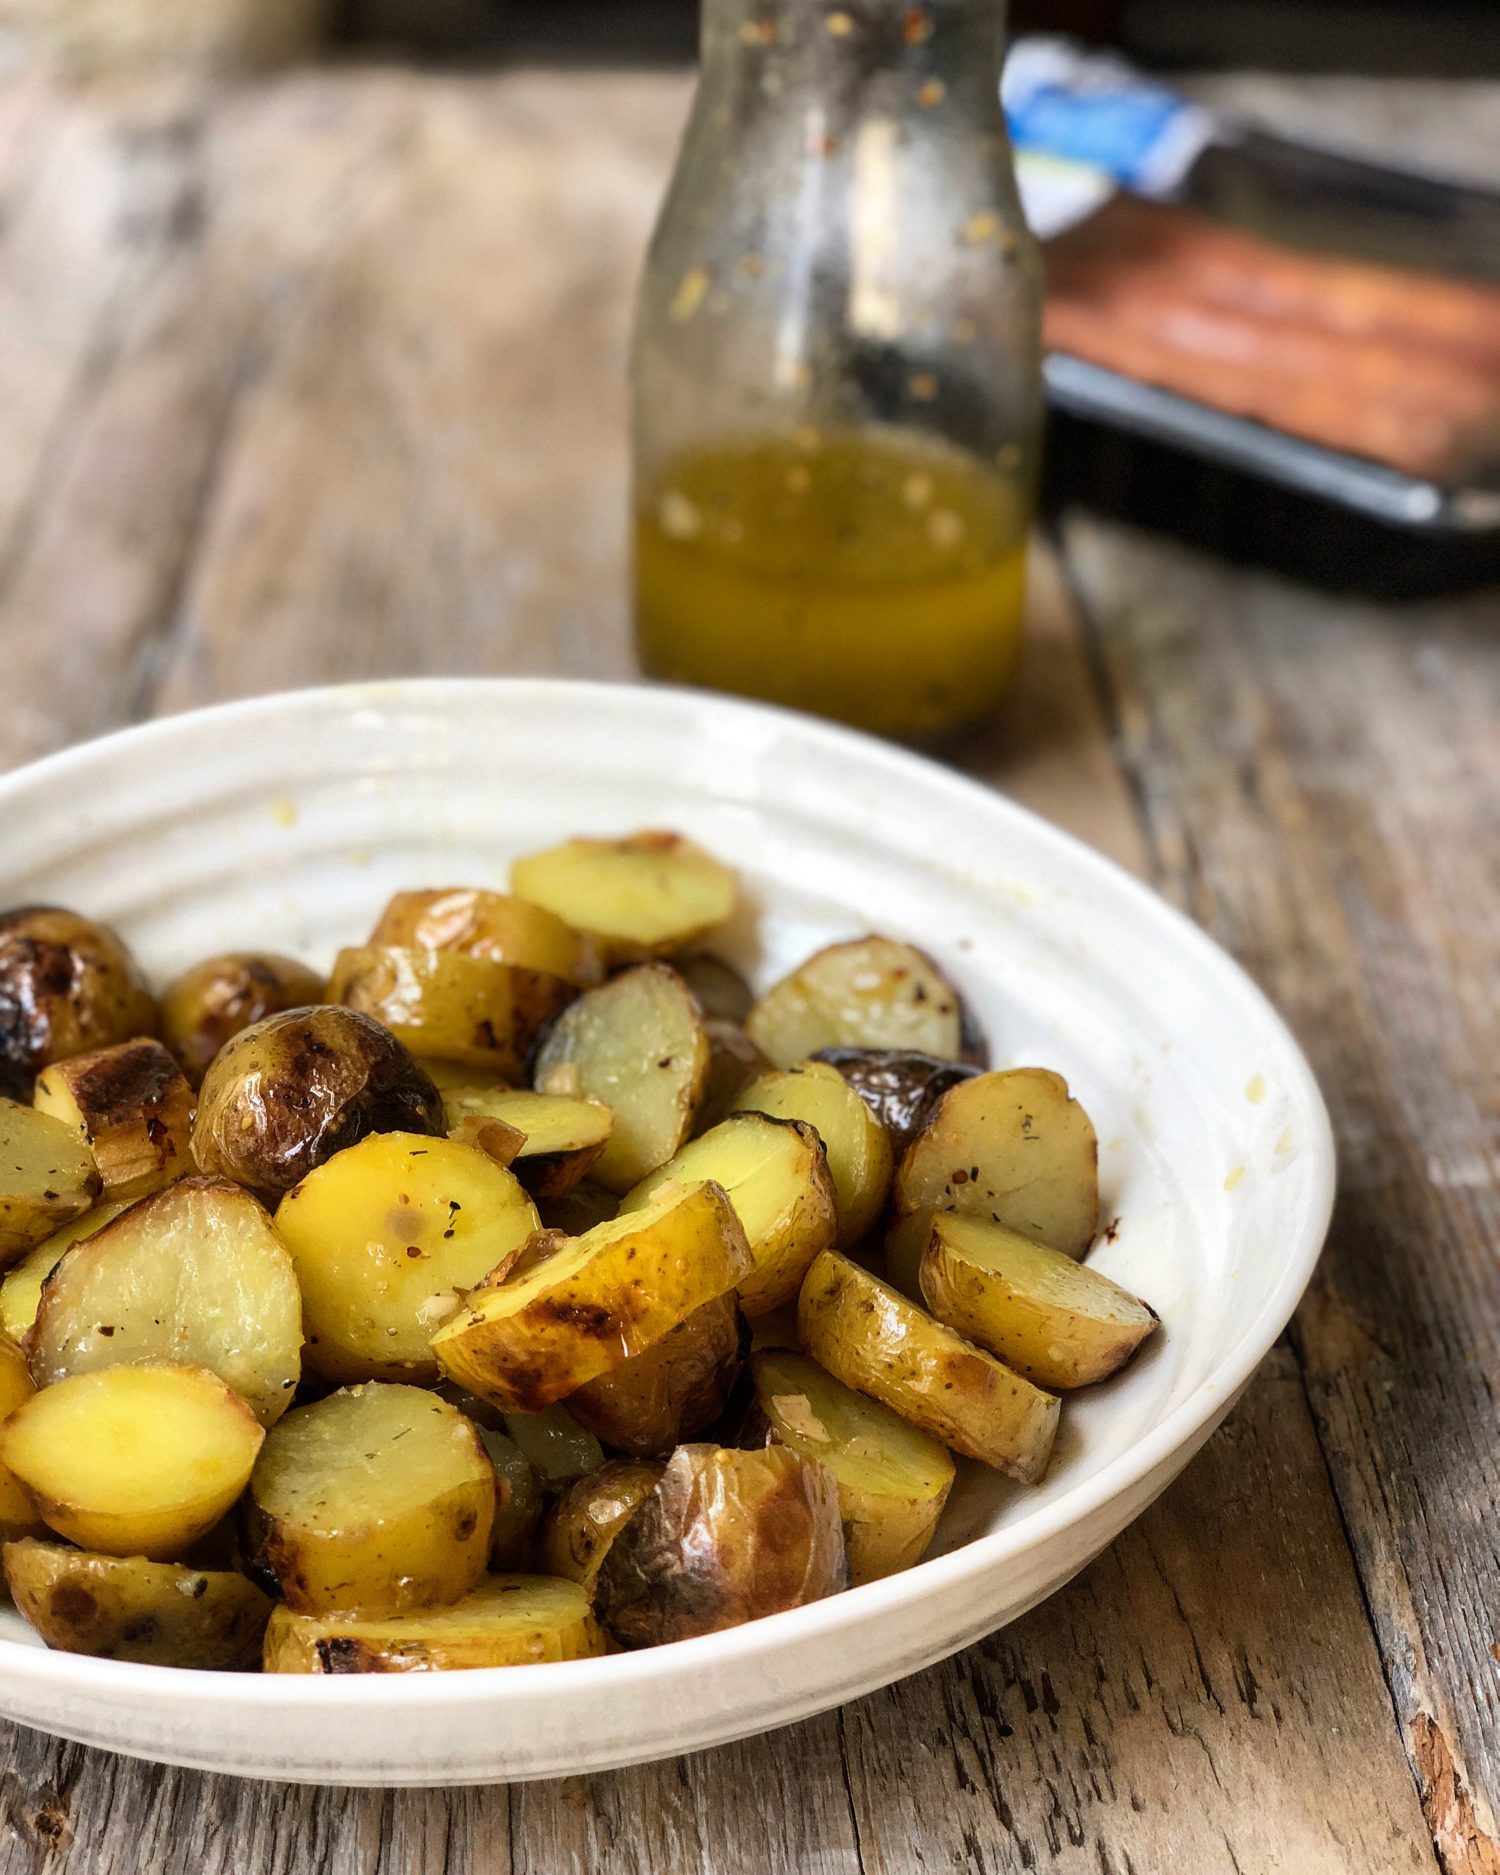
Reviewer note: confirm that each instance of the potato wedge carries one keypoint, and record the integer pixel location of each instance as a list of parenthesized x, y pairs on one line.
[(388, 1237), (492, 925), (216, 999), (131, 1106), (192, 1276), (519, 1502), (872, 992), (560, 1138), (602, 1298), (722, 993), (674, 1390), (725, 1537), (377, 1499), (856, 1144), (289, 1092), (643, 896), (21, 1288), (47, 1177), (1013, 1148), (1058, 1322), (733, 1063), (19, 1515), (125, 1608), (893, 1479), (133, 1461), (588, 1517), (638, 1044), (451, 1007), (508, 1621), (778, 1182), (899, 1086), (877, 1342), (67, 985)]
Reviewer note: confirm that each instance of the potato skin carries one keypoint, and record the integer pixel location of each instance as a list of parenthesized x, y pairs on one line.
[(291, 1091), (900, 1086), (674, 1390), (588, 1517), (133, 1106), (215, 1000), (67, 985), (726, 1537)]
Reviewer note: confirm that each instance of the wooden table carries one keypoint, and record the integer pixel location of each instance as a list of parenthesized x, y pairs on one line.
[(322, 380)]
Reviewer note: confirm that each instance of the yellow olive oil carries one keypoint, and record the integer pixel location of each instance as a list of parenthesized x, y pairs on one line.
[(872, 575)]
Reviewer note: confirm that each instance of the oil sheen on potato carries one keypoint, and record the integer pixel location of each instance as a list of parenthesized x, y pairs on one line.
[(871, 575)]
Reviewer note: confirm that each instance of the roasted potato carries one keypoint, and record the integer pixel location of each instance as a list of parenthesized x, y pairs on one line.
[(560, 1450), (21, 1289), (18, 1511), (519, 1502), (67, 985), (638, 1044), (126, 1608), (1058, 1322), (289, 1092), (899, 1086), (877, 1342), (644, 896), (508, 1621), (778, 1182), (47, 1178), (216, 999), (588, 1517), (893, 1479), (492, 925), (131, 1106), (192, 1276), (724, 1537), (733, 1063), (133, 1461), (857, 1145), (450, 1007), (388, 1237), (674, 1390), (560, 1138), (601, 1298), (723, 994), (377, 1499), (1013, 1148), (871, 992)]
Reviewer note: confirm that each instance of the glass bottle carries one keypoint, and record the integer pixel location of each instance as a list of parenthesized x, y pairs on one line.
[(836, 369)]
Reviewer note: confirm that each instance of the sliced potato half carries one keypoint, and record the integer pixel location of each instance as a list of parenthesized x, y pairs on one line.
[(491, 925), (560, 1139), (388, 1237), (1014, 1149), (638, 1044), (893, 1479), (674, 1390), (588, 1517), (508, 1621), (18, 1510), (131, 1106), (858, 1146), (47, 1177), (21, 1288), (872, 992), (779, 1184), (644, 896), (193, 1275), (877, 1342)]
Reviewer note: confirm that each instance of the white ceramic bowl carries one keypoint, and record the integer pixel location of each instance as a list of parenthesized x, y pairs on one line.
[(286, 822)]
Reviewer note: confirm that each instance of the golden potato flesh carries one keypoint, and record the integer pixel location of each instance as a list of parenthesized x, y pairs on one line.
[(291, 1091), (559, 1138), (596, 1301), (388, 1237), (1058, 1322), (643, 896), (193, 1275), (47, 1178), (18, 1511), (133, 1461), (508, 1621), (21, 1288), (779, 1184), (491, 925), (857, 1146), (588, 1517), (131, 1105), (1013, 1149), (377, 1499), (67, 985), (725, 1537), (126, 1608), (872, 992), (878, 1343), (638, 1044), (216, 999), (893, 1479), (673, 1391)]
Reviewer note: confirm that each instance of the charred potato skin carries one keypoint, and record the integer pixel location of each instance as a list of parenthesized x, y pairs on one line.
[(589, 1515), (133, 1105), (216, 999), (725, 1537), (673, 1391), (68, 985), (291, 1091), (491, 925), (900, 1086)]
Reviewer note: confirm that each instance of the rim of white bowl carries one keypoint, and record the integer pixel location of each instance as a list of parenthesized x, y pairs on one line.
[(940, 1575)]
